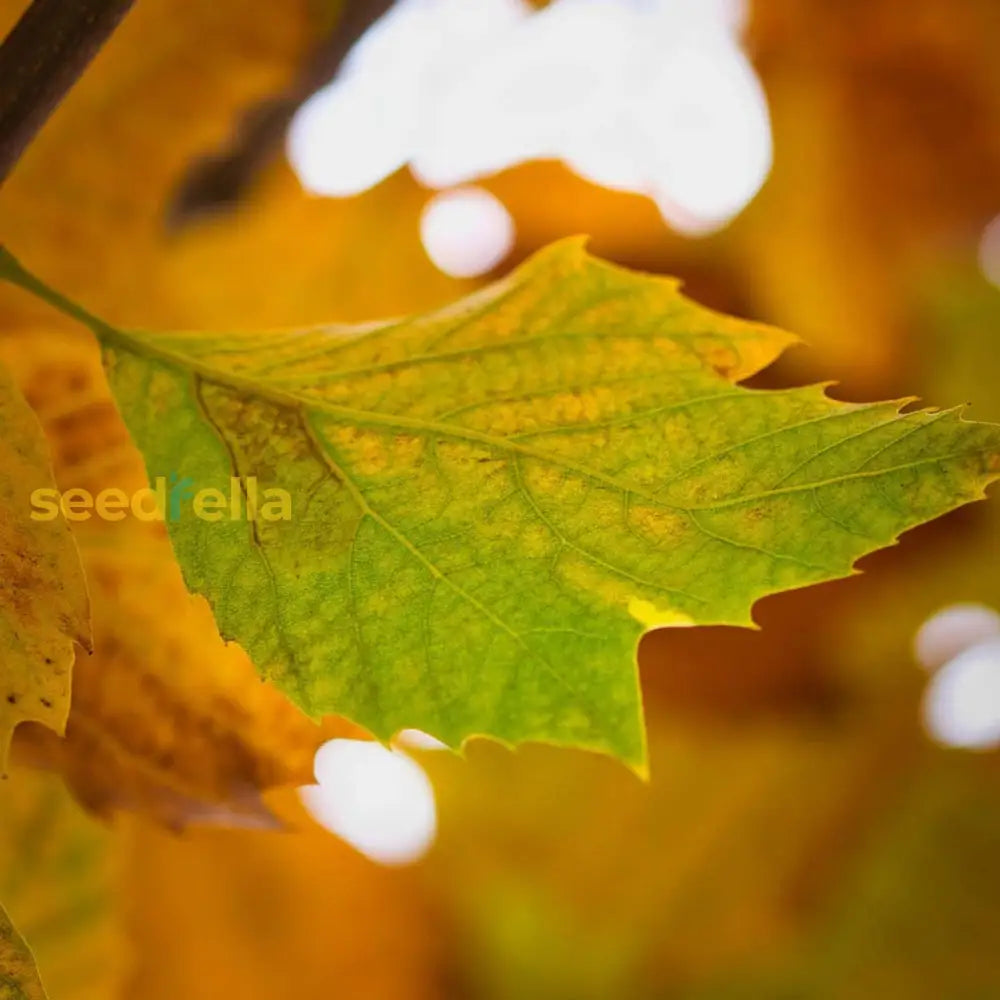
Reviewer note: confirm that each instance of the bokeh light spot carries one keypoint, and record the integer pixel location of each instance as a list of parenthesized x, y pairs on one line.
[(962, 701), (416, 739), (466, 232), (989, 252), (951, 630), (378, 800)]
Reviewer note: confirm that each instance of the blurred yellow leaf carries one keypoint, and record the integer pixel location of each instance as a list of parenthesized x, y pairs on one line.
[(18, 975), (43, 597)]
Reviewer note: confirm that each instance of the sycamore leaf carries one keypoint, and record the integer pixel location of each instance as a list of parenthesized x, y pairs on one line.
[(487, 505), (18, 975), (43, 597)]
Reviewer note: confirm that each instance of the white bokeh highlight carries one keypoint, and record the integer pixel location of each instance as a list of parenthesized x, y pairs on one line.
[(417, 739), (989, 252), (951, 630), (378, 800), (962, 702), (466, 232), (650, 96)]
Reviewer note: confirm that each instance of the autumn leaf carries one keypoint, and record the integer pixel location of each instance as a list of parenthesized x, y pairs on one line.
[(43, 597), (488, 493), (18, 975)]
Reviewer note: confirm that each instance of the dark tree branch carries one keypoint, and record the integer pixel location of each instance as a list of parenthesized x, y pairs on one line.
[(218, 181), (42, 58)]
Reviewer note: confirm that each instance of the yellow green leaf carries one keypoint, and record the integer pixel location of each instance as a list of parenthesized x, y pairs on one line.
[(464, 521), (18, 975), (43, 597)]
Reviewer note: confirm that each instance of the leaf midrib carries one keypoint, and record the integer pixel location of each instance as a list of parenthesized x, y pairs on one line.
[(142, 345), (232, 380)]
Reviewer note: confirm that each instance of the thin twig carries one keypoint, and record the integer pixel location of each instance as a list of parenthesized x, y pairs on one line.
[(218, 181), (42, 58)]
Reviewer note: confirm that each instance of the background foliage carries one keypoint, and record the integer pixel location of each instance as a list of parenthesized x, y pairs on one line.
[(801, 838)]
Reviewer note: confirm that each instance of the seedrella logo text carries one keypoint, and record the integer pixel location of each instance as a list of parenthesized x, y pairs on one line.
[(166, 500)]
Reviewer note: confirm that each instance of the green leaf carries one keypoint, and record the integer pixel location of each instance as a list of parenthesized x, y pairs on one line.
[(490, 503), (43, 597), (18, 974)]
